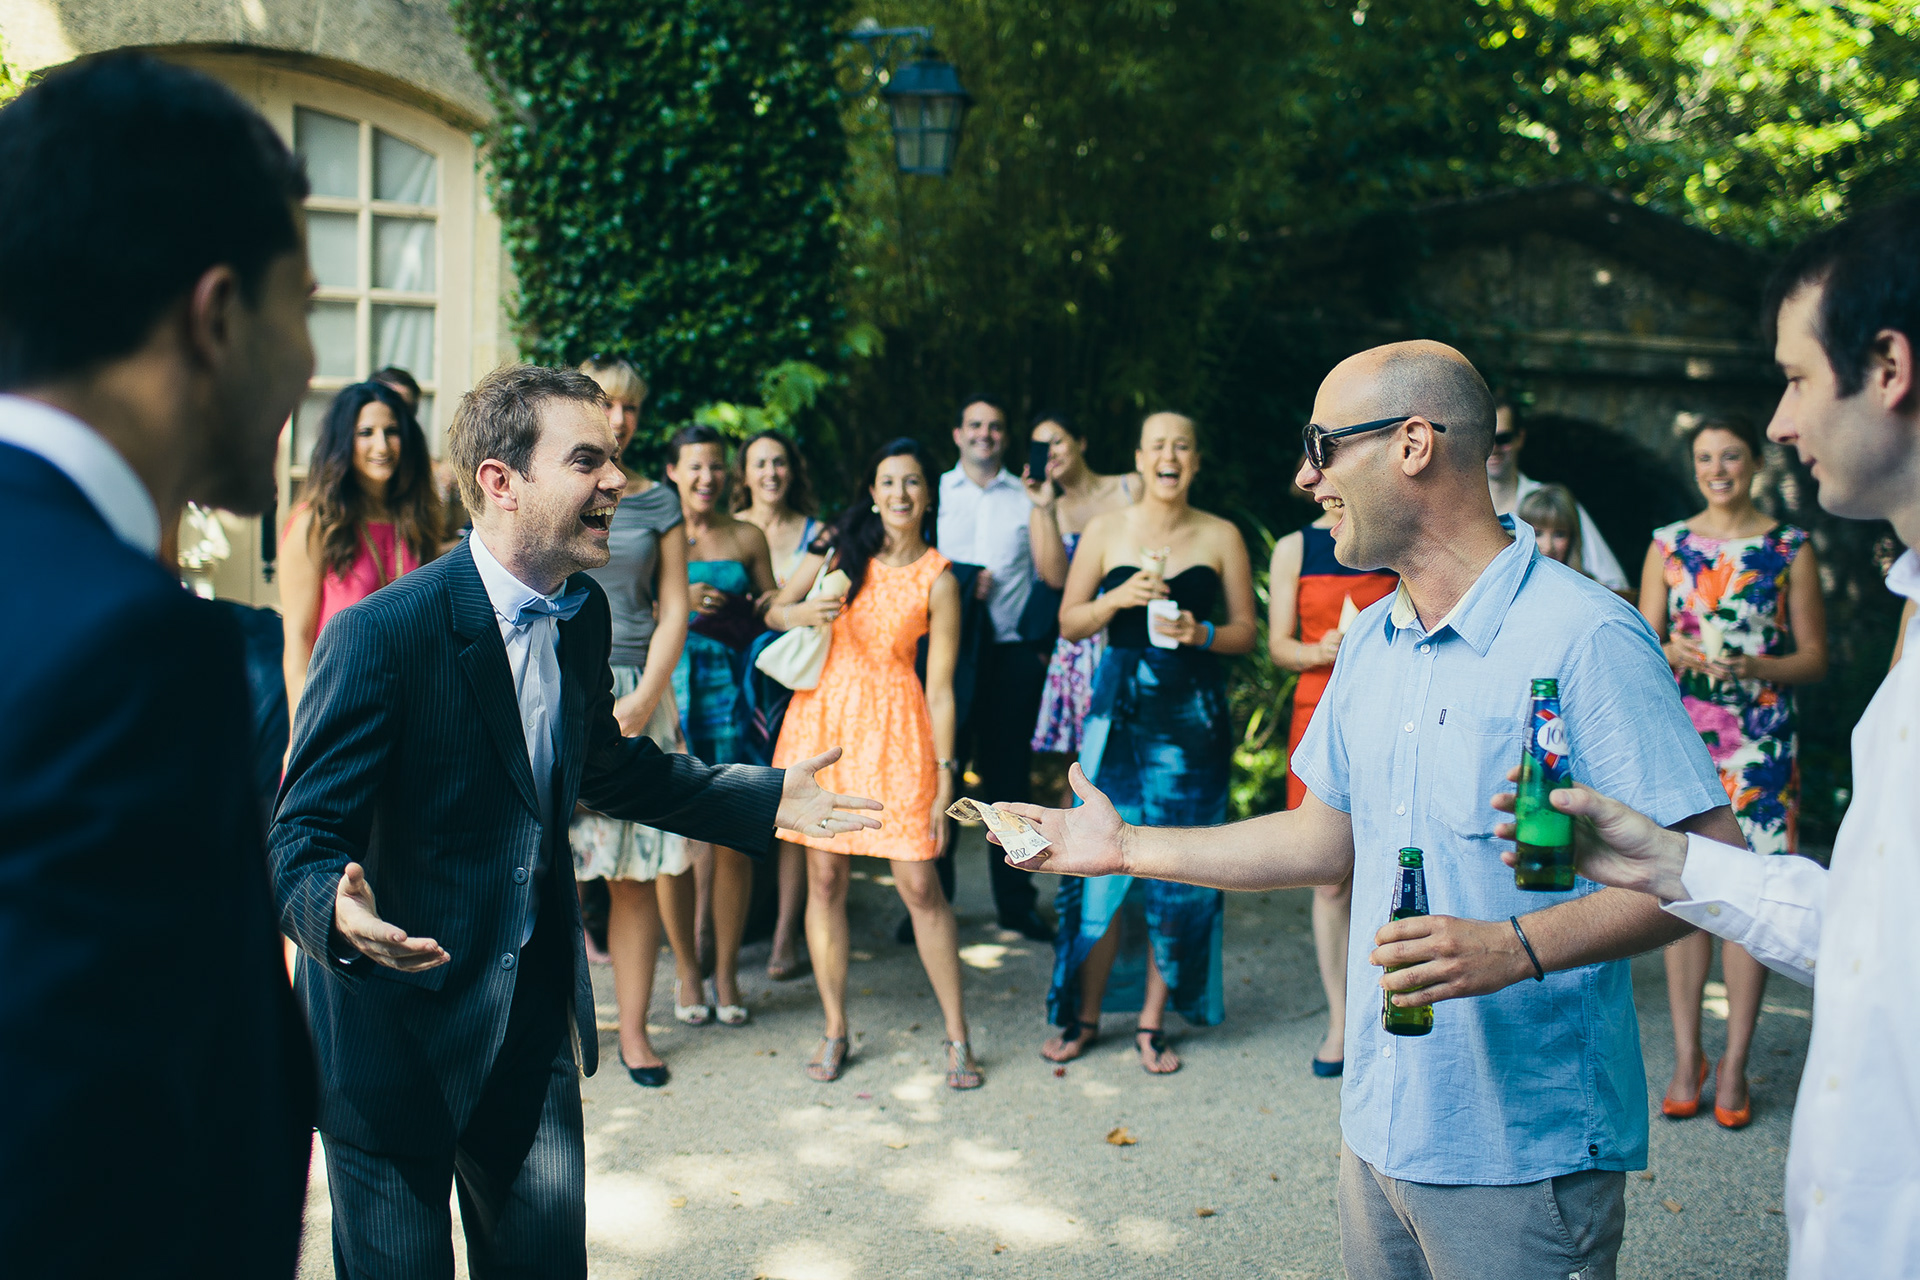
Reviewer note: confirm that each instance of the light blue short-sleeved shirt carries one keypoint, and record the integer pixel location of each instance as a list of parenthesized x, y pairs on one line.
[(1414, 735)]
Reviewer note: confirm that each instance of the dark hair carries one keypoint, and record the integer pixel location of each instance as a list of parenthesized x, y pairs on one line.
[(1060, 420), (979, 397), (126, 180), (1870, 267), (799, 486), (400, 380), (332, 489), (500, 419), (1733, 425), (859, 533)]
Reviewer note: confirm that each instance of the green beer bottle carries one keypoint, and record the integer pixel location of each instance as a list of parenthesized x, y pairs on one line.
[(1410, 901), (1545, 834)]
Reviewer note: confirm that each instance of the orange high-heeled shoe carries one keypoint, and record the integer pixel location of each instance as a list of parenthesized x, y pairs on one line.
[(1673, 1109), (1730, 1119)]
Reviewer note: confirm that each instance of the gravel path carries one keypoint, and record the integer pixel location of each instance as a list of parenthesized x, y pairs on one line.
[(742, 1167)]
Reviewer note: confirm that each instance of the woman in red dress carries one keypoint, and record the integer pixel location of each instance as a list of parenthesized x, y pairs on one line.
[(1307, 596)]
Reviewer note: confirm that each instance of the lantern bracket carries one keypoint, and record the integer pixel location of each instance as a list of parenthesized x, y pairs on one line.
[(883, 46)]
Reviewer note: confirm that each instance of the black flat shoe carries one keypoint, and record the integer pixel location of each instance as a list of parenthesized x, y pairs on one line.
[(649, 1077)]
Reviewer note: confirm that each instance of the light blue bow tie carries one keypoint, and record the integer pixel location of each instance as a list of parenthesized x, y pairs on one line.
[(562, 607)]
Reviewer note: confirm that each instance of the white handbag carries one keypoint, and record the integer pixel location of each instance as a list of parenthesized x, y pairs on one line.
[(797, 658)]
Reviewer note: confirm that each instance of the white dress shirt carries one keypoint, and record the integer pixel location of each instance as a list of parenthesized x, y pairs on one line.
[(988, 526), (1596, 557), (533, 657), (1853, 1171), (84, 457)]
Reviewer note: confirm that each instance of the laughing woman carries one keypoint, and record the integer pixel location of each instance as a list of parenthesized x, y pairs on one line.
[(898, 734), (771, 492), (728, 571), (1157, 741)]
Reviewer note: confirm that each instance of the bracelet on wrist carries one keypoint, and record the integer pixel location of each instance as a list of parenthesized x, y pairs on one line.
[(1208, 642), (1539, 974)]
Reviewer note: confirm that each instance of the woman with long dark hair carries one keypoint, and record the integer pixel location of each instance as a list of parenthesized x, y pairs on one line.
[(897, 734), (771, 492), (367, 513)]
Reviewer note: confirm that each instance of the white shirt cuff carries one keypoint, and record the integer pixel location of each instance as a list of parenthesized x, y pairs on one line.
[(1772, 906)]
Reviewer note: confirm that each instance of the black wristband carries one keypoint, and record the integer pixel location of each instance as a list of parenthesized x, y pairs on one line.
[(1539, 974)]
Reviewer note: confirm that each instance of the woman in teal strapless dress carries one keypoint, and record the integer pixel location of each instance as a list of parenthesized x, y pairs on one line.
[(729, 574)]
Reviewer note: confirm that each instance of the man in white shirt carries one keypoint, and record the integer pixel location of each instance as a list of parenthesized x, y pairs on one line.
[(984, 515), (1846, 307), (1510, 487)]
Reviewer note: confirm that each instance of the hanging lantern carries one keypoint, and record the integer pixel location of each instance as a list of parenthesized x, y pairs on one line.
[(927, 103)]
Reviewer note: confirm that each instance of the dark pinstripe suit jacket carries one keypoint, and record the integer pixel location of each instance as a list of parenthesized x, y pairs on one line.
[(408, 757)]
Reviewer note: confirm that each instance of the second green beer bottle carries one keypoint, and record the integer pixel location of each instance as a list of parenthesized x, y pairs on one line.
[(1545, 834), (1410, 900)]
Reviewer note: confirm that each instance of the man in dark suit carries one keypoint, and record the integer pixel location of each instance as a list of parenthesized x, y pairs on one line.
[(449, 724), (153, 287)]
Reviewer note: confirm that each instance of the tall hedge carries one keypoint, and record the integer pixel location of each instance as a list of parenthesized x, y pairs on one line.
[(665, 173)]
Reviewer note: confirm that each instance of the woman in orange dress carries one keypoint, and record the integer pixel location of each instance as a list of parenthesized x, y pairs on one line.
[(897, 735), (1307, 593)]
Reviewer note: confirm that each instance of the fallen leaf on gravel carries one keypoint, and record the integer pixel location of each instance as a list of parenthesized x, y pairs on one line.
[(896, 1146), (678, 1202), (1672, 1205), (1646, 1175), (1203, 1213), (864, 1097), (1121, 1137), (1058, 1072), (999, 1248), (1273, 1177), (1776, 1210)]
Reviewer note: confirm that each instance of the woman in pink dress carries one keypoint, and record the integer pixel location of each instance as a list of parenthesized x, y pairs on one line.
[(368, 513)]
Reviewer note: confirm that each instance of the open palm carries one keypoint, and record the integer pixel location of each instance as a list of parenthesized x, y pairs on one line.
[(1088, 840)]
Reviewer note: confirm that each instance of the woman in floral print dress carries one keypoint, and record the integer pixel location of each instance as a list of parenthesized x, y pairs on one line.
[(1735, 598)]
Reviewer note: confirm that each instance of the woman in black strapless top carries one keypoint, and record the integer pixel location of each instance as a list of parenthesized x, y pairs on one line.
[(1157, 740)]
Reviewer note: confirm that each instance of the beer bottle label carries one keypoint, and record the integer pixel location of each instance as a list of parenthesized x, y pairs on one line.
[(1549, 745), (1412, 898)]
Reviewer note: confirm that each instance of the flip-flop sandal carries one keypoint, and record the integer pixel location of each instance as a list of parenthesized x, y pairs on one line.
[(1158, 1043), (1083, 1034), (694, 1015), (962, 1071), (833, 1060)]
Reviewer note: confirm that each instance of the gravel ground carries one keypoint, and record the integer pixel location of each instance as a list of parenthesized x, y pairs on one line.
[(742, 1167)]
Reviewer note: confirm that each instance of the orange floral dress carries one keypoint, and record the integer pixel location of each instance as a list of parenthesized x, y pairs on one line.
[(870, 702)]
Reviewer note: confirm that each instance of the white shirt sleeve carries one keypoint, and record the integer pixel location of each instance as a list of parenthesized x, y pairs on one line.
[(1596, 557), (1772, 906)]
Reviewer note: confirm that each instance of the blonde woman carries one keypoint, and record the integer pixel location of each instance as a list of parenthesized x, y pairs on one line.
[(645, 869)]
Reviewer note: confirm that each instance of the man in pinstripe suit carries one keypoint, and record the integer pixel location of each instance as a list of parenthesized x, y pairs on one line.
[(449, 724)]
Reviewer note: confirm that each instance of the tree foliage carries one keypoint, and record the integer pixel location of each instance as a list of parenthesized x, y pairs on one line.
[(665, 174)]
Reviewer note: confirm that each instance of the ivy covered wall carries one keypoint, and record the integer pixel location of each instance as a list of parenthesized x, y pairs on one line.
[(665, 175)]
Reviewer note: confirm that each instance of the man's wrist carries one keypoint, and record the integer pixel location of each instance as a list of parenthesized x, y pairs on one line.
[(1669, 866)]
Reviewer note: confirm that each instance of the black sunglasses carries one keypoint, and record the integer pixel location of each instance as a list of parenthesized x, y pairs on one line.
[(1315, 437), (1501, 439)]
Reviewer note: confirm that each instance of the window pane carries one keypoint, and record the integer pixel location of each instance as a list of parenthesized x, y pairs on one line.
[(331, 324), (435, 439), (306, 425), (403, 254), (331, 148), (404, 336), (402, 171), (333, 245)]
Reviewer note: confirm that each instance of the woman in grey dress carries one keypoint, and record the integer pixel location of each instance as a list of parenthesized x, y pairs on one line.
[(645, 869)]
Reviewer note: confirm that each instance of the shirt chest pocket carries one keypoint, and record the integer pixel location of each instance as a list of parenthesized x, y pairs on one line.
[(1468, 757)]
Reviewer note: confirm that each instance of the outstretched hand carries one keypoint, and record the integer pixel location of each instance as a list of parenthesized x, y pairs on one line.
[(812, 810), (1612, 844), (1088, 840), (356, 919)]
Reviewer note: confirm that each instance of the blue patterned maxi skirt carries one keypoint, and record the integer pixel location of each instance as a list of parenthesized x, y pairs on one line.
[(1157, 741)]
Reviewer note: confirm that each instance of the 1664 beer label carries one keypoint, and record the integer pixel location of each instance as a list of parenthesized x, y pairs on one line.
[(1545, 835)]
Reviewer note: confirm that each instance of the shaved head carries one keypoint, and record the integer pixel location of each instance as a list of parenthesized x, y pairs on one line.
[(1421, 377)]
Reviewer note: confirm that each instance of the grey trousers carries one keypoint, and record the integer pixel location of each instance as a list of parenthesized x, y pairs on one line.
[(1568, 1226)]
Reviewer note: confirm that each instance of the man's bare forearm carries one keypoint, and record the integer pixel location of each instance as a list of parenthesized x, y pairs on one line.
[(1310, 845), (1608, 925)]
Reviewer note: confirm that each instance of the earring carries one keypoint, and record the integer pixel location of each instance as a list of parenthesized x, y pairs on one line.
[(875, 508)]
